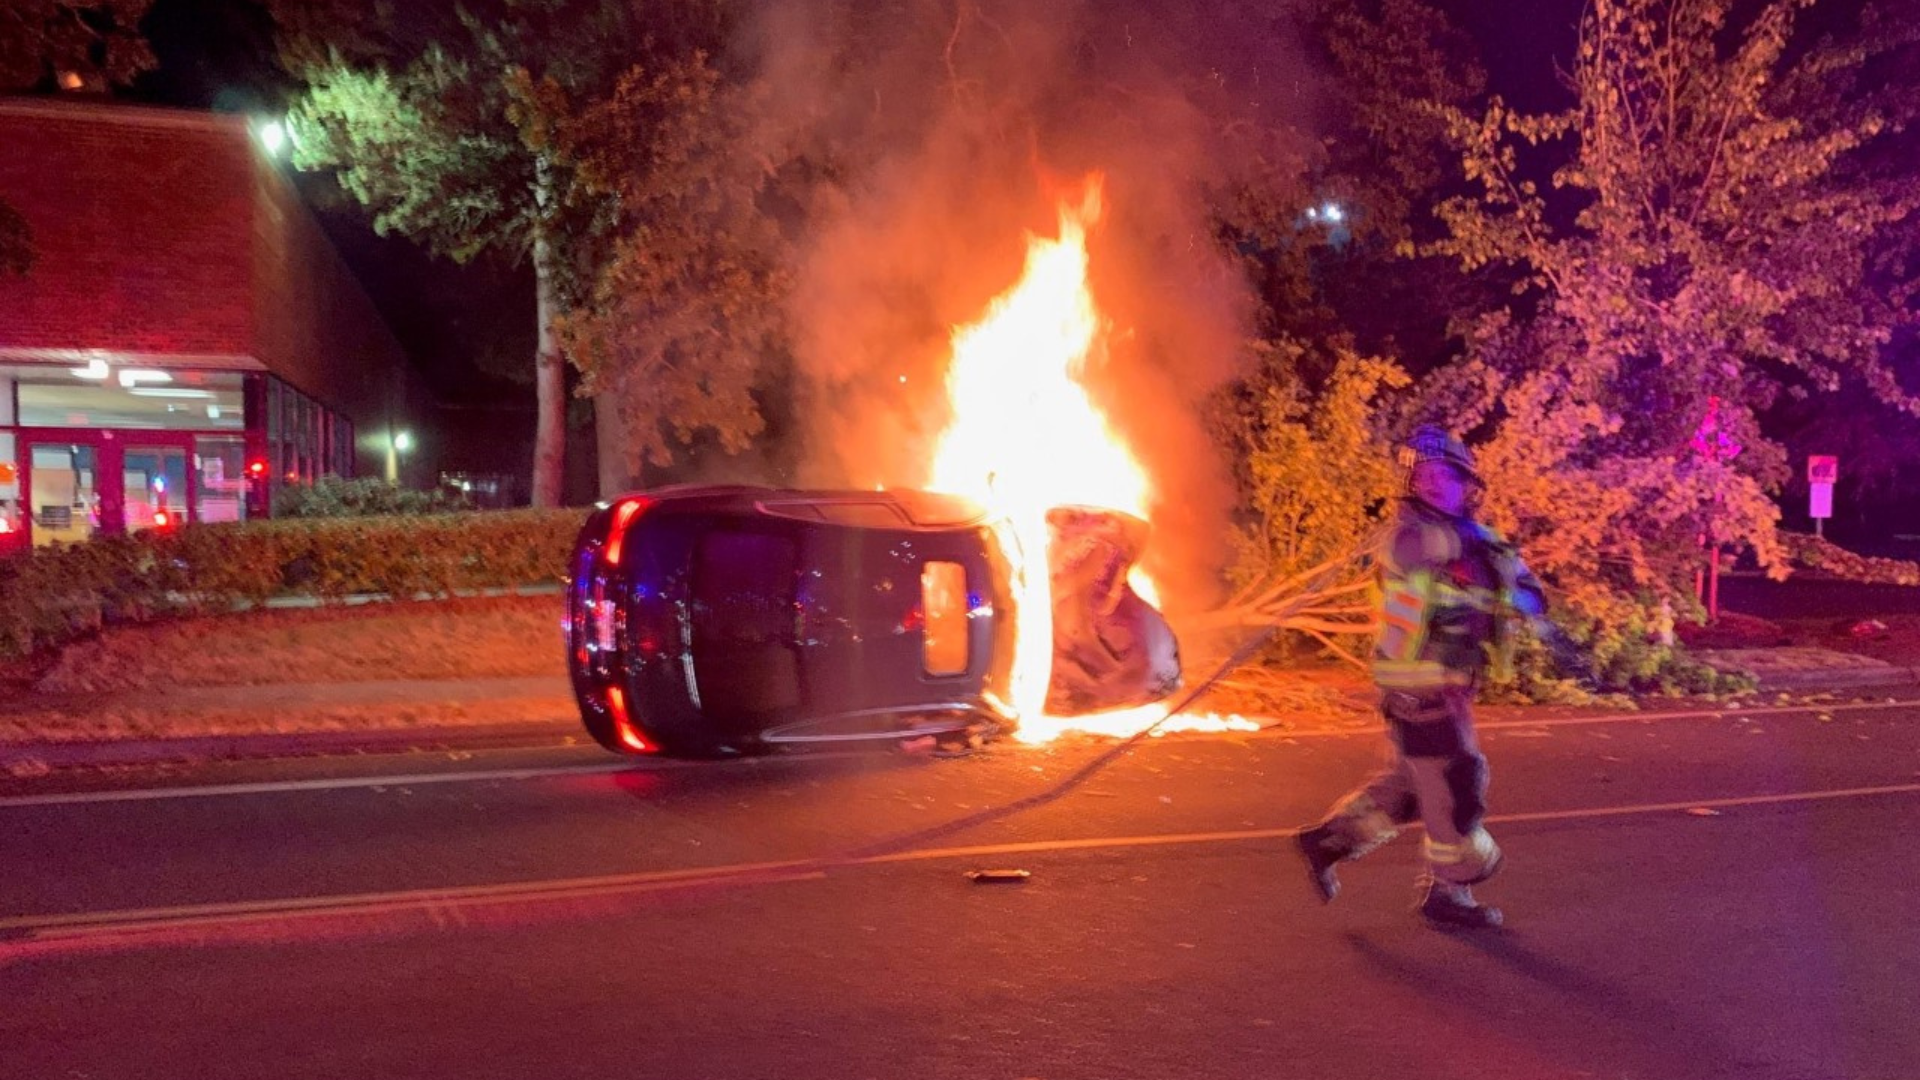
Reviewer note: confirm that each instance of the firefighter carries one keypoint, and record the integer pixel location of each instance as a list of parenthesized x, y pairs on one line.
[(1449, 584)]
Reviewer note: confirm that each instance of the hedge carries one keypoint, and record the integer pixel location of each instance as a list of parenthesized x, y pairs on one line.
[(1815, 553), (50, 596)]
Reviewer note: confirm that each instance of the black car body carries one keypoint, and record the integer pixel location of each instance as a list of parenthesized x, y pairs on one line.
[(707, 618)]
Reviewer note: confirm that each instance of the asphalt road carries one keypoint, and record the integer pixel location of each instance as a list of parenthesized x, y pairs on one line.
[(1688, 897)]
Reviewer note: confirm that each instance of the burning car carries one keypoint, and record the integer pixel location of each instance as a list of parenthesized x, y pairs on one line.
[(701, 619)]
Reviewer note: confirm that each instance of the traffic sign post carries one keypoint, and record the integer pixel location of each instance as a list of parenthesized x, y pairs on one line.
[(1712, 441), (1823, 471)]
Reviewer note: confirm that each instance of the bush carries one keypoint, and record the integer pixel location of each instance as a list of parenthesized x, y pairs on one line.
[(50, 596), (1816, 553), (333, 497)]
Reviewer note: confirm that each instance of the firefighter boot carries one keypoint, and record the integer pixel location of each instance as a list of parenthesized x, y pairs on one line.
[(1322, 848), (1446, 906)]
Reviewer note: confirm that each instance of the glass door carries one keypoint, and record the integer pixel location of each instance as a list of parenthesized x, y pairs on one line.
[(155, 481), (66, 494)]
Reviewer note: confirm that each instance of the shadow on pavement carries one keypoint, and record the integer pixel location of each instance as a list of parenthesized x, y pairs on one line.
[(1595, 1014)]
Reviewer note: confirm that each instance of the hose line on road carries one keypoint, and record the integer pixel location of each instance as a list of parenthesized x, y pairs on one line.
[(918, 837), (1316, 579)]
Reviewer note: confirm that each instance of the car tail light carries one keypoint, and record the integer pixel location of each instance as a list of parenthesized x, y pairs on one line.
[(623, 514), (623, 726)]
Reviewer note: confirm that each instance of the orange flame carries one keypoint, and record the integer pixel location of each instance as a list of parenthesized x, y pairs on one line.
[(1025, 437)]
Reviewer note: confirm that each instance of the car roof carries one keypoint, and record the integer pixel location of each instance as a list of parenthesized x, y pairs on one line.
[(890, 508)]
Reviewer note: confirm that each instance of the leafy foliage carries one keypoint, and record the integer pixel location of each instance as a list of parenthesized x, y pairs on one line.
[(367, 496), (96, 43), (689, 304), (1318, 467), (1716, 235), (1815, 553), (446, 141)]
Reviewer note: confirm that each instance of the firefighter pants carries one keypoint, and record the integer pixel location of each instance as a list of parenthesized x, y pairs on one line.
[(1435, 774)]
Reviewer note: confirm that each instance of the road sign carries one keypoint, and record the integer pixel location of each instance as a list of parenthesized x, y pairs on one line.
[(1823, 469), (1820, 501)]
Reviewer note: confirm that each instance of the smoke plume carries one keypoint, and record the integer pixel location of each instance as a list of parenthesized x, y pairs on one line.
[(948, 131)]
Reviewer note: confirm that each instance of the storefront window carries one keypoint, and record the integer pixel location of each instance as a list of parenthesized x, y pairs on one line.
[(222, 464)]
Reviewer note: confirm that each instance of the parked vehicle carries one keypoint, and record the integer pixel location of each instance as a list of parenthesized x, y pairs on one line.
[(706, 619)]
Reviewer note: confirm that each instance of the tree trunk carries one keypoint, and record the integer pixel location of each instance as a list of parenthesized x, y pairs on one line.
[(610, 445), (550, 387)]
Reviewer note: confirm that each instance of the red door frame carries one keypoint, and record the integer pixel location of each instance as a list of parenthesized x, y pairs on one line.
[(109, 455)]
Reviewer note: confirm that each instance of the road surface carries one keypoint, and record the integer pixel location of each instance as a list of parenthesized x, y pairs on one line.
[(1688, 896)]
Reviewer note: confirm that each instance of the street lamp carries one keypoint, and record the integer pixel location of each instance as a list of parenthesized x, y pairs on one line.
[(398, 442)]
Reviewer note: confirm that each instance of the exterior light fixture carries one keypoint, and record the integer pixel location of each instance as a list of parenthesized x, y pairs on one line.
[(273, 137), (403, 441), (131, 377), (1332, 212), (96, 369)]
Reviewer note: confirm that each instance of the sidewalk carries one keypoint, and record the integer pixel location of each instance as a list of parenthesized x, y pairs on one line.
[(288, 720), (1808, 668)]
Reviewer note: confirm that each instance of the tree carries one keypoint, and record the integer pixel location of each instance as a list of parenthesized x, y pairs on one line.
[(70, 44), (1311, 427), (686, 317), (1721, 229), (441, 134)]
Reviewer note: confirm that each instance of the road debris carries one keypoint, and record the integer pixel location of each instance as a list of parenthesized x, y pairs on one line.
[(999, 877)]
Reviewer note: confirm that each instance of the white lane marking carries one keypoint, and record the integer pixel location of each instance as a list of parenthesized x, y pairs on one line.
[(321, 784), (135, 921), (348, 782)]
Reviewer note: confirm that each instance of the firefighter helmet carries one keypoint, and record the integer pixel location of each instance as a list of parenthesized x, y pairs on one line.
[(1429, 443)]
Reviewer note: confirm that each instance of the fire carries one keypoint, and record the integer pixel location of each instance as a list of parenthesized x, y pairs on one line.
[(1025, 437)]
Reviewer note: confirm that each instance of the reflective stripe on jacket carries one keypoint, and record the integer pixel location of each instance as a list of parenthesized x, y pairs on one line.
[(1446, 583)]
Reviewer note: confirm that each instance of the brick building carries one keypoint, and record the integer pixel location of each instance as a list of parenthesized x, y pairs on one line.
[(186, 337)]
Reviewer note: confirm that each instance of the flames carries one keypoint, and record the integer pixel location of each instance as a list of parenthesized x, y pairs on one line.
[(1025, 436)]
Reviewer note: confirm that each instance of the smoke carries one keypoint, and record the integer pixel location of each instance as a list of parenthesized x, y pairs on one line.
[(946, 131)]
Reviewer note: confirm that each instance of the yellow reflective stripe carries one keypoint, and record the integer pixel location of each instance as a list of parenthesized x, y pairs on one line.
[(1403, 617), (1410, 674), (1477, 845), (1446, 594)]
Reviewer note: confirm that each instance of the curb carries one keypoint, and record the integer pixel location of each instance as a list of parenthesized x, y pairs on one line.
[(1838, 678), (55, 755)]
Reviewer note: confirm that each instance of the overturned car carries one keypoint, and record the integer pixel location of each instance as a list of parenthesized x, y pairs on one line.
[(704, 619)]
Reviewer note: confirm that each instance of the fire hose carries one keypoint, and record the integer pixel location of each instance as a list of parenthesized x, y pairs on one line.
[(919, 838), (1315, 577)]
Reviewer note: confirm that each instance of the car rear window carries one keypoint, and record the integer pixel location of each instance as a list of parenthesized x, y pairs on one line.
[(943, 597)]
